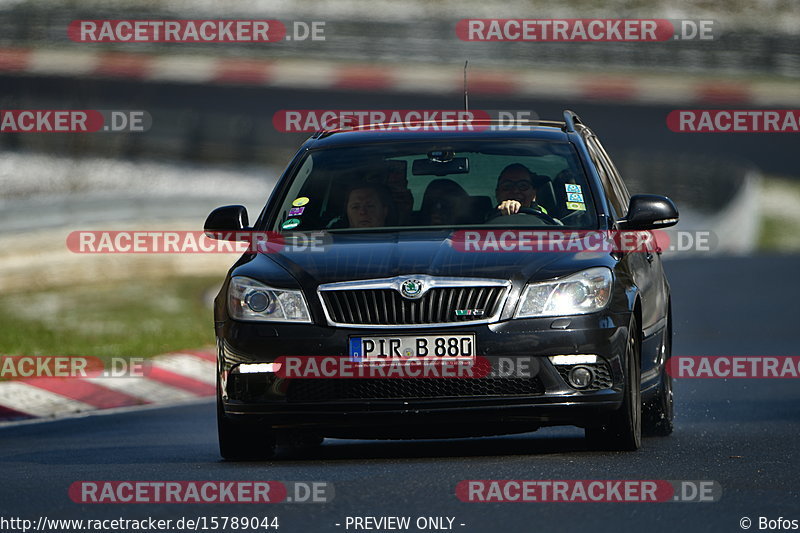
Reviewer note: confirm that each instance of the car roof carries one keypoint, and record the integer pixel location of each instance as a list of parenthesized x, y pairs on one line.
[(376, 133)]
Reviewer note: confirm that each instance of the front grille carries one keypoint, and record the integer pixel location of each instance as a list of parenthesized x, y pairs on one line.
[(388, 307), (324, 390)]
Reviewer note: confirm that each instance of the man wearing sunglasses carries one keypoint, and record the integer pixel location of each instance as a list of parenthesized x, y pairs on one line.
[(516, 188)]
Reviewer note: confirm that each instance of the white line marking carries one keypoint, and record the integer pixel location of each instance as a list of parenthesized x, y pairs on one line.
[(69, 63), (188, 365), (189, 69), (38, 402), (112, 411), (143, 388)]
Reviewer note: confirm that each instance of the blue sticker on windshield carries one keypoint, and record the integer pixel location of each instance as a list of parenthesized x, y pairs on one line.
[(296, 211), (571, 187), (574, 197)]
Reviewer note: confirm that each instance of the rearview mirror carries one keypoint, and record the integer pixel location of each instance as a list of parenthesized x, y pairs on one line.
[(223, 222), (427, 167), (649, 211)]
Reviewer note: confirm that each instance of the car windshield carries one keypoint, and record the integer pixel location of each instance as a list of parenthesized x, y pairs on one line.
[(436, 185)]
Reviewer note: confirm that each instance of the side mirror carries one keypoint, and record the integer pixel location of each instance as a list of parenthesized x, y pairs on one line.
[(223, 222), (649, 211)]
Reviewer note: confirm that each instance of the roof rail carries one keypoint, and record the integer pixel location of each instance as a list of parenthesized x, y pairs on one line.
[(480, 121), (570, 119)]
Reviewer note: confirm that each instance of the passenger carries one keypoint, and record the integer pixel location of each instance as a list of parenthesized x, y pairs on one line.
[(516, 188), (367, 205), (403, 199), (392, 175), (445, 203)]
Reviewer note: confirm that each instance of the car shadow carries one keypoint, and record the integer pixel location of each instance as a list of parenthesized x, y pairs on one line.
[(520, 444)]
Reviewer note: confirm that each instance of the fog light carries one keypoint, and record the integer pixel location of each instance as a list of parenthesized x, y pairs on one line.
[(580, 377)]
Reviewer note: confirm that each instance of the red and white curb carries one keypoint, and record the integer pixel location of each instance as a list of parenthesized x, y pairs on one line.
[(673, 88), (171, 378)]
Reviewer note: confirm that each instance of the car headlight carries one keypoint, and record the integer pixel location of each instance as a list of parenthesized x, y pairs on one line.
[(578, 294), (251, 300)]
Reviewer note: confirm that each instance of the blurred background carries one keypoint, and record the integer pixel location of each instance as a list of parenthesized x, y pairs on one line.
[(212, 140)]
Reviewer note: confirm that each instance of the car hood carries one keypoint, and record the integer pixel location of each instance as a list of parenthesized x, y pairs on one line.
[(346, 257)]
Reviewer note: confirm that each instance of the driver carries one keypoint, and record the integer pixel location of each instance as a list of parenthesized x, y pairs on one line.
[(367, 205), (516, 188)]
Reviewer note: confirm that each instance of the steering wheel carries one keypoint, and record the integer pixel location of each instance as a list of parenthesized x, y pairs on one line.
[(527, 211)]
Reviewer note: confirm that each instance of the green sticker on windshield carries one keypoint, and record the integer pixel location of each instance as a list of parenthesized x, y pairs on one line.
[(576, 206), (291, 223)]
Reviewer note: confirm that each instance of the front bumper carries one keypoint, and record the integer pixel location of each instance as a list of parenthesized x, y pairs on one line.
[(552, 401)]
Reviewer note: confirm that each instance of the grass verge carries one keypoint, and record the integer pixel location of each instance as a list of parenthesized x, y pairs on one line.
[(780, 212), (135, 318)]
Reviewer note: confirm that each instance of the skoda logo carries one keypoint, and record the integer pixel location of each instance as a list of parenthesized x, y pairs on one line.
[(411, 288)]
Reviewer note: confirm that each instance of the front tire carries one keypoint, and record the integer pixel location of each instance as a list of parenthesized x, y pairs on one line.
[(659, 411), (622, 429)]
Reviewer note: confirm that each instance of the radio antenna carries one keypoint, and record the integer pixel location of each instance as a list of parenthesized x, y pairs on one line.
[(466, 94)]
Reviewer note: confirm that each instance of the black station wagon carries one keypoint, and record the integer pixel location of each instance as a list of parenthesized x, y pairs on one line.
[(418, 257)]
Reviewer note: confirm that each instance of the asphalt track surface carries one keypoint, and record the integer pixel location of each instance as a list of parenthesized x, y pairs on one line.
[(741, 433)]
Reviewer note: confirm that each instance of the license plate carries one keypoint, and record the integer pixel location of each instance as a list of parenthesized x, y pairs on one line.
[(425, 347)]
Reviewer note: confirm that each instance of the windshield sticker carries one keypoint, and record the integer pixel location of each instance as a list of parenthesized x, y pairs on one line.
[(300, 202), (571, 187), (296, 211), (291, 223), (571, 197), (576, 206)]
